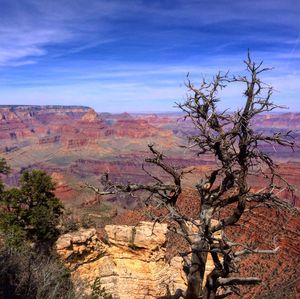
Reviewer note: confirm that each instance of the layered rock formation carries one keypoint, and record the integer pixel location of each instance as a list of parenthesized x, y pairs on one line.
[(81, 144), (130, 263), (77, 145)]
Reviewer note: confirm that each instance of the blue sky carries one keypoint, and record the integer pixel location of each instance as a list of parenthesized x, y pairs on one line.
[(134, 55)]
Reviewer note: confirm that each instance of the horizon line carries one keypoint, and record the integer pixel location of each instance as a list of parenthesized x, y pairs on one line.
[(123, 112)]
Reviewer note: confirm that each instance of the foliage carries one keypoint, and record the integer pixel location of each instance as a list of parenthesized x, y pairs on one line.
[(4, 169), (98, 291), (32, 211), (29, 214)]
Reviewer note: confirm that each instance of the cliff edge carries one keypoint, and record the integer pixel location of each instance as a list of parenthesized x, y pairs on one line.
[(130, 261)]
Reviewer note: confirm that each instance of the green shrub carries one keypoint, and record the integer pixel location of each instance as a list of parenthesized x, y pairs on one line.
[(98, 291), (31, 211)]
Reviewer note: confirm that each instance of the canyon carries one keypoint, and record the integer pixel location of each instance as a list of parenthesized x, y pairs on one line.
[(76, 145)]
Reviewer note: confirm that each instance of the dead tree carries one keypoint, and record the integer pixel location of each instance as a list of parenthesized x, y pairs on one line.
[(231, 139)]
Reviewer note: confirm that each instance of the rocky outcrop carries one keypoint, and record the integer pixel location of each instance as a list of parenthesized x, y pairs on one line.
[(136, 128), (130, 263), (278, 120)]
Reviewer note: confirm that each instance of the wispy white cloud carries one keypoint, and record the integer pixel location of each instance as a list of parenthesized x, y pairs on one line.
[(28, 27), (16, 55), (141, 87)]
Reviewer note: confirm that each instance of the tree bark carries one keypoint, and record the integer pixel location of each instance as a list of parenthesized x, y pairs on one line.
[(197, 270)]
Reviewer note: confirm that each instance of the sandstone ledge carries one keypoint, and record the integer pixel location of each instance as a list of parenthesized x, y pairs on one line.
[(130, 264)]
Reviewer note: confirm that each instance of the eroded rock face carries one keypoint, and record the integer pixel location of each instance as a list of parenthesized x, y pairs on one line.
[(79, 247), (131, 264)]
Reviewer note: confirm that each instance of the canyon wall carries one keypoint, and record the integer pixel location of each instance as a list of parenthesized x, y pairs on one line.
[(130, 263), (77, 145)]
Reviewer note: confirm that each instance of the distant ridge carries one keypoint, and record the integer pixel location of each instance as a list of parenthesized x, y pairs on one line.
[(38, 107)]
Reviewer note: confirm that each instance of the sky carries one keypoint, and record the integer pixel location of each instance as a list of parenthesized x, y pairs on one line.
[(134, 55)]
